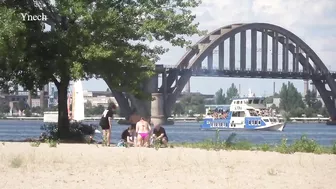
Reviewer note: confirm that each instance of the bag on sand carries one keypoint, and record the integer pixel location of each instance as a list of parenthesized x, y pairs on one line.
[(121, 143)]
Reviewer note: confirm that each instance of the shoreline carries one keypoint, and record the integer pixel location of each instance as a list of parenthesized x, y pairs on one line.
[(176, 120), (89, 166)]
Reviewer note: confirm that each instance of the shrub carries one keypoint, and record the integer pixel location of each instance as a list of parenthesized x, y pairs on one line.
[(78, 132)]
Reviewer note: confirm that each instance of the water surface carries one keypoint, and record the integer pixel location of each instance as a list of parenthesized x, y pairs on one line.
[(18, 130)]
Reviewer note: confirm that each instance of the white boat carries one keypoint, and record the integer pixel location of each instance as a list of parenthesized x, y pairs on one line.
[(244, 113)]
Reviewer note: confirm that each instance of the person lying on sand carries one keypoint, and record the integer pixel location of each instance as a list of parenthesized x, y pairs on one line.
[(127, 136), (160, 135), (143, 130)]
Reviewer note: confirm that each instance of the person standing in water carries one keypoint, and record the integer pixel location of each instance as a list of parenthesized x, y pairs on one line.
[(143, 130), (106, 123)]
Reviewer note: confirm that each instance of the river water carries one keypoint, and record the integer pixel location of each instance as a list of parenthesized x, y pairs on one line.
[(18, 130)]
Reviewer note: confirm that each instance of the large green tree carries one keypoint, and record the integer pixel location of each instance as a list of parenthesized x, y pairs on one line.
[(312, 101), (290, 99), (193, 103), (96, 38), (231, 92), (220, 97)]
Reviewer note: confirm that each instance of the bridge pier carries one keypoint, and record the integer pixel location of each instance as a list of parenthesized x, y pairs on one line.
[(157, 109)]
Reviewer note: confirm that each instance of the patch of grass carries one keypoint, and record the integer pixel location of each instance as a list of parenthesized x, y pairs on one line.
[(35, 143), (333, 148), (16, 162), (300, 145), (52, 143)]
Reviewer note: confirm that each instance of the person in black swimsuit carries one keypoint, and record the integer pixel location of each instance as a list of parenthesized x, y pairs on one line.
[(105, 123), (160, 135), (128, 135)]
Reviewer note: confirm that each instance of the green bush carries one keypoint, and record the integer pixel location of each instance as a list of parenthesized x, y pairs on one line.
[(78, 132), (301, 145)]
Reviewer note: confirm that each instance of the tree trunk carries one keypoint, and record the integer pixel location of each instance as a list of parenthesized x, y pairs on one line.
[(63, 120)]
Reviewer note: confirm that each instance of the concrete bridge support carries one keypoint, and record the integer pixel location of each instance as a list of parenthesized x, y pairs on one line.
[(157, 109), (154, 108)]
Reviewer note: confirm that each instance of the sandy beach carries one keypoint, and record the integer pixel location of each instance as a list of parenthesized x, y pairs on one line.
[(91, 166)]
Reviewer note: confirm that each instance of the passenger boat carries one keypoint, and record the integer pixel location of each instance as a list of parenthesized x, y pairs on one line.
[(244, 113)]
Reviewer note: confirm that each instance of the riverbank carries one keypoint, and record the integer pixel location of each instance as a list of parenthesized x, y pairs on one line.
[(182, 119), (91, 166)]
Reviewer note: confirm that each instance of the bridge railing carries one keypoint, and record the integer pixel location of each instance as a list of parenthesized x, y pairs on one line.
[(316, 72)]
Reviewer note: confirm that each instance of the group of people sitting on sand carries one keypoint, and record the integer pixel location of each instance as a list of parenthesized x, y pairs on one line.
[(139, 134), (142, 134)]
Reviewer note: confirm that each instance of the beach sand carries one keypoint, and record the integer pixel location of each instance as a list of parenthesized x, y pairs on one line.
[(91, 166)]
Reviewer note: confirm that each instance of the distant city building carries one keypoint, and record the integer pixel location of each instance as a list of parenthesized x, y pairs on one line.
[(276, 101)]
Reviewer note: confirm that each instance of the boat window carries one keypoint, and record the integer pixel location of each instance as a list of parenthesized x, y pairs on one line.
[(249, 122), (250, 101), (256, 101), (259, 122), (255, 122), (235, 114), (241, 114), (261, 101), (266, 120)]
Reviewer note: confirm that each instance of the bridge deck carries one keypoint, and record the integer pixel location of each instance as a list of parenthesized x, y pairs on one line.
[(251, 74)]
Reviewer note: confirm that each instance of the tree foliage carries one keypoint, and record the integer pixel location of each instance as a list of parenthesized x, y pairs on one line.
[(191, 103), (102, 38), (178, 109), (231, 92), (312, 101), (220, 97), (291, 101), (290, 98)]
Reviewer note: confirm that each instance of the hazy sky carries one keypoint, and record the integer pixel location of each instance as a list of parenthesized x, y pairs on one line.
[(311, 20)]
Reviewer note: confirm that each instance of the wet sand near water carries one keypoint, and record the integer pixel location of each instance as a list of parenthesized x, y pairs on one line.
[(91, 166)]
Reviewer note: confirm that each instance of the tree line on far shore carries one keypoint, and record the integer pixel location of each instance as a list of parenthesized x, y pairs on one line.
[(292, 103), (89, 109)]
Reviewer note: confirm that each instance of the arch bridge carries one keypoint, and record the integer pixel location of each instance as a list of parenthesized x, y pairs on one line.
[(287, 57)]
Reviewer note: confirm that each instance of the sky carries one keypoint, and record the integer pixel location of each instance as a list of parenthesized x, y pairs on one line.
[(311, 20)]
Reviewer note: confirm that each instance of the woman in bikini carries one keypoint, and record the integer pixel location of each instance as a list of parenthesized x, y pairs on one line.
[(143, 130)]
